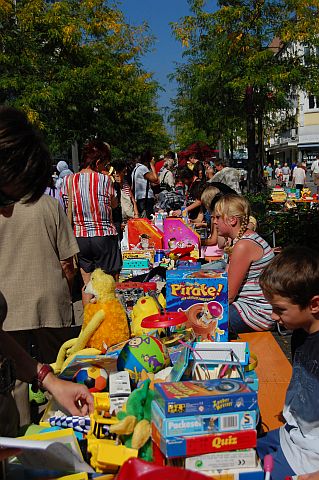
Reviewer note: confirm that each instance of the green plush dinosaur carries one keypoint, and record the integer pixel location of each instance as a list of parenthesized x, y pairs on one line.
[(134, 426)]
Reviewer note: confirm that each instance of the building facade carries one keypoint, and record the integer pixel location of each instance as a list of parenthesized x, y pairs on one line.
[(300, 141)]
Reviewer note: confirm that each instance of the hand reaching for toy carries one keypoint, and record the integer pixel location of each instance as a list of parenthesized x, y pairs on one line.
[(176, 213), (75, 397)]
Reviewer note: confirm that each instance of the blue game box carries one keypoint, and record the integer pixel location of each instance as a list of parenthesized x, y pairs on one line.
[(177, 399), (203, 296), (203, 424)]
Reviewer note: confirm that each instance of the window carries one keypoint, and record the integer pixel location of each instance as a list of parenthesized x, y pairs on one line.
[(313, 102)]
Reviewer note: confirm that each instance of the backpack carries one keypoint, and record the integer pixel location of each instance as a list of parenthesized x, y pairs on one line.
[(164, 186)]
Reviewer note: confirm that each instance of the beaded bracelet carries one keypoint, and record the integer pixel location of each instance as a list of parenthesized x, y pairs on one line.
[(42, 373)]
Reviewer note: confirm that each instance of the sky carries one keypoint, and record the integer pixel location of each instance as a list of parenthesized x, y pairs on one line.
[(167, 50)]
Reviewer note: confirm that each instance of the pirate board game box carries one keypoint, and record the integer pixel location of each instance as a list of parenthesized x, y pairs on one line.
[(203, 424), (203, 297), (187, 446), (204, 397)]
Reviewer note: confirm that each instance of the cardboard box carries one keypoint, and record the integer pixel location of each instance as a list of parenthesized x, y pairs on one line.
[(203, 296), (255, 473), (178, 234), (143, 235), (133, 254), (178, 399), (222, 460), (200, 444), (202, 424)]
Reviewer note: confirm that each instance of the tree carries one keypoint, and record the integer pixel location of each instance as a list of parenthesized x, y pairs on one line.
[(241, 76), (74, 67)]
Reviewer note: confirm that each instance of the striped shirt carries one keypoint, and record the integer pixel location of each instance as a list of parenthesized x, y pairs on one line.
[(250, 301), (91, 203), (127, 189)]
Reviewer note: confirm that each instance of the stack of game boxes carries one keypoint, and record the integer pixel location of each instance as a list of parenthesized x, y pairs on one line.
[(278, 194), (209, 426)]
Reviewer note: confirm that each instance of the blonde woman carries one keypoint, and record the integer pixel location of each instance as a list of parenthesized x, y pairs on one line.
[(248, 255), (209, 198)]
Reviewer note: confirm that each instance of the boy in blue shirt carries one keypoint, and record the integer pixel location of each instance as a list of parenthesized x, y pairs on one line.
[(291, 285)]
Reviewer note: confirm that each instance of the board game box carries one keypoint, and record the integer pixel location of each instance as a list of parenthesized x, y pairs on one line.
[(202, 424), (222, 460), (203, 297), (185, 446), (203, 397)]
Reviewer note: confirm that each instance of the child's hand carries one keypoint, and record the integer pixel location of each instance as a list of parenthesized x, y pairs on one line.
[(176, 213)]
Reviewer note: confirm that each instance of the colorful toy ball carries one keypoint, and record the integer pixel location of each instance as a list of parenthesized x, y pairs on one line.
[(95, 378), (143, 353)]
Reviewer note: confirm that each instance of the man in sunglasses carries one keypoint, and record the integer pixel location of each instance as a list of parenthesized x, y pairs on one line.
[(24, 172)]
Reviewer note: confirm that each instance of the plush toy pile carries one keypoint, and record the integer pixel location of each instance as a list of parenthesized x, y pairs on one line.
[(105, 323), (114, 327)]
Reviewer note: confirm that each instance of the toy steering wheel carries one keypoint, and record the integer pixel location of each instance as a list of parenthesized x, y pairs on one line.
[(164, 320)]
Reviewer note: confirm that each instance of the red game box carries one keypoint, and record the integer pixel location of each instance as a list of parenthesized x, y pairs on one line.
[(197, 445)]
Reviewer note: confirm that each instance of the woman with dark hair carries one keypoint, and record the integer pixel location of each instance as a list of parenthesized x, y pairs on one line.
[(195, 186), (89, 196), (25, 166), (127, 207), (25, 162)]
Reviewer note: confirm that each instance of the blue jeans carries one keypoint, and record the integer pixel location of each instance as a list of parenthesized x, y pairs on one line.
[(270, 444), (236, 323)]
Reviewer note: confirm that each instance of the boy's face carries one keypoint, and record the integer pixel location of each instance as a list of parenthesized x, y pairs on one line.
[(292, 316)]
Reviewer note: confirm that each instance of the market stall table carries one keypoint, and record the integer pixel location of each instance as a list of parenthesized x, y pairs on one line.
[(274, 373)]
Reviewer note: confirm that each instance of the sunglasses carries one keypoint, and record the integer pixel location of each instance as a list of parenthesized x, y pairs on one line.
[(6, 201)]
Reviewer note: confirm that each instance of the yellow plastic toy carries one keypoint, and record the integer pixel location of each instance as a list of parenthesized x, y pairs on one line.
[(107, 455), (105, 323), (306, 194), (77, 346), (114, 327), (144, 307)]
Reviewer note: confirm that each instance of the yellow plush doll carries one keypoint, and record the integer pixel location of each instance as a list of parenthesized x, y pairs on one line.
[(104, 325), (114, 328)]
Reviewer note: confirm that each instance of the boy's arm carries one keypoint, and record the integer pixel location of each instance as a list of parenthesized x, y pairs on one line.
[(213, 238), (192, 206)]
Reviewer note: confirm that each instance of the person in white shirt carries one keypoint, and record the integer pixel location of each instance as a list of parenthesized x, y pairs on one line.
[(227, 175), (143, 176), (315, 172), (166, 176), (278, 175), (285, 174), (299, 177)]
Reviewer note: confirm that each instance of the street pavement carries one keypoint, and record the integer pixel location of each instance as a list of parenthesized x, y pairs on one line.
[(309, 183)]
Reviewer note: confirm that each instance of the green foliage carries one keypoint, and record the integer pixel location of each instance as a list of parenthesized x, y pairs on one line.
[(233, 76), (74, 67), (297, 226)]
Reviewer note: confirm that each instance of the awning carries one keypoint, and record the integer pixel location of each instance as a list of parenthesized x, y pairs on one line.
[(308, 145)]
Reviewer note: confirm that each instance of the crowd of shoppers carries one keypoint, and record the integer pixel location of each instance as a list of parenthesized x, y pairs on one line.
[(47, 223)]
